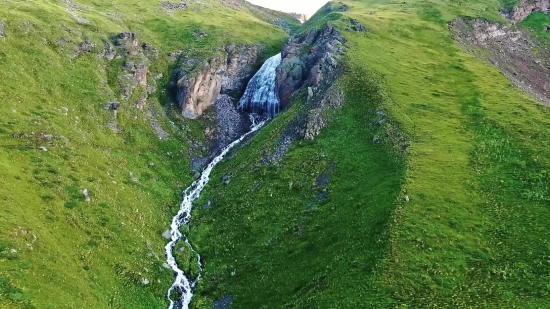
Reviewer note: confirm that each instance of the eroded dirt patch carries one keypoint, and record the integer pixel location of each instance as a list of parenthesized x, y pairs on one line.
[(521, 58)]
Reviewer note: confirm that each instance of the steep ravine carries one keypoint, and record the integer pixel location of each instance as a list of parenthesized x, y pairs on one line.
[(308, 62), (256, 93)]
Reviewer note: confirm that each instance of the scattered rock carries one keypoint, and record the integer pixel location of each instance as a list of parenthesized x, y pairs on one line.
[(198, 34), (86, 195), (170, 6), (322, 196), (2, 29), (142, 101), (86, 46), (357, 25), (226, 179), (165, 265), (42, 148), (230, 123), (223, 303), (344, 8), (114, 106), (406, 198), (110, 52), (207, 205), (46, 137), (129, 42), (159, 130), (115, 15), (144, 281), (133, 178), (315, 121), (324, 179), (167, 235), (197, 175)]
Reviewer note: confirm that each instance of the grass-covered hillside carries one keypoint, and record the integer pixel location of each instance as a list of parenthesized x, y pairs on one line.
[(85, 193), (429, 188)]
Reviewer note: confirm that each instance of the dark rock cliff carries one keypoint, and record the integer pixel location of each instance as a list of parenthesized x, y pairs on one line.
[(306, 60), (310, 65)]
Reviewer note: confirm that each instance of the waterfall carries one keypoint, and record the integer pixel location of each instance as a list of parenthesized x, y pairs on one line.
[(260, 99), (260, 96)]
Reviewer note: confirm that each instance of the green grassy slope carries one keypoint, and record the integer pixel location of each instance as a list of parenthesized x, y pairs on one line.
[(536, 24), (56, 249), (473, 233)]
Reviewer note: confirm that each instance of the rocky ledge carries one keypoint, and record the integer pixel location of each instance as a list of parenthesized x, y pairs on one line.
[(310, 65)]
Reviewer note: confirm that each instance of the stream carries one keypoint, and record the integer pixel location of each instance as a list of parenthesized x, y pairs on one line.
[(258, 99)]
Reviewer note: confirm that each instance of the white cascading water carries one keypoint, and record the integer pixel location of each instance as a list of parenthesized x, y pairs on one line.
[(182, 283), (260, 97)]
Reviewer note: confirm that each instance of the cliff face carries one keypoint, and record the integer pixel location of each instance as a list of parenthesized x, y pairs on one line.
[(306, 60), (198, 84), (526, 7)]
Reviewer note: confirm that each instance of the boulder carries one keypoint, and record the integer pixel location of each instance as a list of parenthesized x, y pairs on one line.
[(86, 46), (358, 26)]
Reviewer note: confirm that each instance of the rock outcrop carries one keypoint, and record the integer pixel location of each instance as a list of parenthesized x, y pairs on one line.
[(137, 59), (301, 17), (199, 83), (525, 8), (306, 60), (310, 66), (330, 99), (522, 59), (230, 123)]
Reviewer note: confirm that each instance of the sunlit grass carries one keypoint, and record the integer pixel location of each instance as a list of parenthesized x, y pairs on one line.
[(473, 232), (56, 249)]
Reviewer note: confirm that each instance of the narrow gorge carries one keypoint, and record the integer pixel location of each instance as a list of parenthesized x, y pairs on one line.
[(261, 101)]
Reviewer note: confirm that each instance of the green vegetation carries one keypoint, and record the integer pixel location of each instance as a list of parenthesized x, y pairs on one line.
[(457, 221), (538, 24), (429, 188), (58, 250)]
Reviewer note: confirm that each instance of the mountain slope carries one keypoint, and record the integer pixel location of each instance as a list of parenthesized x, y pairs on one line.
[(428, 188), (92, 173)]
